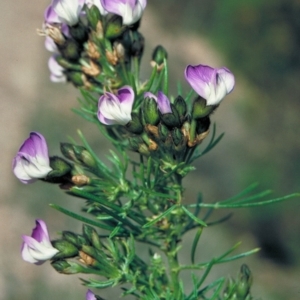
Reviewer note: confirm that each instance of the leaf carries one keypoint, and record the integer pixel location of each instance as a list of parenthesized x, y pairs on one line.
[(193, 217), (195, 244), (80, 218)]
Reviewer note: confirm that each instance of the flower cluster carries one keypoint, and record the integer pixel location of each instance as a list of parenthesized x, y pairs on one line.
[(90, 39)]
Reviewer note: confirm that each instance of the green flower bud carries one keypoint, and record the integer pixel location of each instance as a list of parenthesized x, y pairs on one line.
[(73, 238), (180, 106), (177, 136), (171, 119), (76, 78), (150, 111), (137, 44), (79, 33), (67, 267), (114, 27), (200, 110), (91, 234), (244, 282), (68, 151), (70, 50), (84, 156), (159, 54), (66, 249), (60, 167), (163, 132), (135, 125), (93, 16)]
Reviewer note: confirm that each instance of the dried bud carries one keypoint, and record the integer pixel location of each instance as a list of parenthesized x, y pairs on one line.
[(80, 180), (90, 68), (111, 57), (86, 259), (92, 50)]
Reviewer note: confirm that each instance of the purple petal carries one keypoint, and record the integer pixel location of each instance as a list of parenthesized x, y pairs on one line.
[(56, 70), (51, 16), (35, 145), (163, 103), (126, 98), (90, 295), (199, 77), (40, 232), (150, 95)]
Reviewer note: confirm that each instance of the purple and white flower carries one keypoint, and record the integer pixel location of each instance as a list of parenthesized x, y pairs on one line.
[(32, 160), (56, 70), (116, 109), (90, 295), (37, 248), (211, 84), (163, 103), (64, 11), (130, 10)]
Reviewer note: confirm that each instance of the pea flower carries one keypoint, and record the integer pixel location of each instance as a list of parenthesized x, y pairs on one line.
[(37, 248), (163, 103), (90, 295), (116, 109), (64, 11), (130, 10), (32, 160), (56, 70), (211, 84)]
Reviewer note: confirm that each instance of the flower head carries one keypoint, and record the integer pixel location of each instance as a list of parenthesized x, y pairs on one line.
[(211, 84), (90, 295), (37, 248), (116, 109), (130, 10), (32, 160), (162, 100)]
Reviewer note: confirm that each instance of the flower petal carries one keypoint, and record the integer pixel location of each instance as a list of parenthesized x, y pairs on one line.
[(163, 103), (90, 295)]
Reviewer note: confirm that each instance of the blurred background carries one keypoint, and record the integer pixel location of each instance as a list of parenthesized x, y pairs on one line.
[(259, 41)]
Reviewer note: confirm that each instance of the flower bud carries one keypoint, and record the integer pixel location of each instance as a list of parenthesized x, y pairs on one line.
[(114, 27), (91, 234), (93, 16), (244, 282), (84, 156), (66, 64), (77, 78), (163, 132), (60, 167), (200, 110), (67, 267), (180, 106), (177, 136), (137, 44), (68, 151), (150, 111), (135, 125), (75, 239), (171, 119), (79, 33), (70, 50), (66, 249), (159, 54)]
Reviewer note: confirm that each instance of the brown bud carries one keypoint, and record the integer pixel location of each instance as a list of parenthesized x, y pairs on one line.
[(80, 180), (86, 259), (199, 138), (92, 51), (111, 57), (153, 146), (153, 130), (91, 69), (53, 32)]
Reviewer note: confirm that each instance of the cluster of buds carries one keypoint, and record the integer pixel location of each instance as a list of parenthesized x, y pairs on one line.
[(92, 40), (239, 289), (159, 126)]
